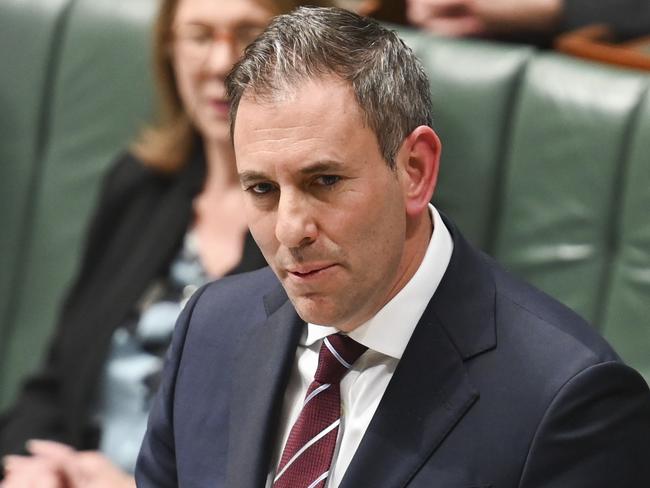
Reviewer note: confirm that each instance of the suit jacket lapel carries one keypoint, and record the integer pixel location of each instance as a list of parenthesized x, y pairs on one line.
[(263, 368), (430, 392)]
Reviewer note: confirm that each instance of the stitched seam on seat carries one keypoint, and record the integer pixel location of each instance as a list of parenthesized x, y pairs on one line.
[(614, 219), (34, 185), (497, 199)]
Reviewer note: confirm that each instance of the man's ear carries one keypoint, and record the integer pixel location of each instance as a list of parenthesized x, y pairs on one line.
[(418, 160)]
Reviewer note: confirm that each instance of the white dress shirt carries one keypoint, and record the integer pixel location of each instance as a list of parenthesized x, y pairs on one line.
[(386, 336)]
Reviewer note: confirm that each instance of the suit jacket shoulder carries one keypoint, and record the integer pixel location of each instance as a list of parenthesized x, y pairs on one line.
[(500, 386), (211, 341)]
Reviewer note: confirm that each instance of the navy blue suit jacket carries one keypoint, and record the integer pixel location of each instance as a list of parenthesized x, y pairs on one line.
[(500, 386)]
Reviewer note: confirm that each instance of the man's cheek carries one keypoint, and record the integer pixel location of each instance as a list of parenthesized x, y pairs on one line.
[(264, 236)]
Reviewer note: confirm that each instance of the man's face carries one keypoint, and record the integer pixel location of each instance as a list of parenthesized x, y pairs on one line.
[(324, 207)]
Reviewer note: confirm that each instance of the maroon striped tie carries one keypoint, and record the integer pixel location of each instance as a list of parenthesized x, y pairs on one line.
[(307, 456)]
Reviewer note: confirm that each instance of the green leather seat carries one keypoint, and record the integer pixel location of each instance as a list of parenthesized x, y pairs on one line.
[(100, 95), (473, 86), (626, 317), (561, 180), (33, 29), (30, 32)]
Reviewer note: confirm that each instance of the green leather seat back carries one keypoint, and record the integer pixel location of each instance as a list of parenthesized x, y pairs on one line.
[(562, 177), (102, 94), (626, 319), (473, 85), (29, 42)]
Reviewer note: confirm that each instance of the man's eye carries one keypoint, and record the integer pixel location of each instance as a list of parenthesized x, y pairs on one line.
[(260, 188), (328, 180)]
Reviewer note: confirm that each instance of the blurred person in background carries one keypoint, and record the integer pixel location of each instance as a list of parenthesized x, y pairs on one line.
[(535, 21), (168, 220)]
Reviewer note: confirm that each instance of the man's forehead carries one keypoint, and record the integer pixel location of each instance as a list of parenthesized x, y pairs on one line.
[(325, 103), (303, 93), (280, 87)]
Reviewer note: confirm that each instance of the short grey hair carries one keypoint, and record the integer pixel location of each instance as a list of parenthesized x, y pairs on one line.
[(388, 81)]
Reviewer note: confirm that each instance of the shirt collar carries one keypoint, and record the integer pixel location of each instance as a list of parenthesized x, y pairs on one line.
[(390, 330)]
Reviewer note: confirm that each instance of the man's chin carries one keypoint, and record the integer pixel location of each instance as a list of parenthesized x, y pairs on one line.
[(316, 309), (324, 311)]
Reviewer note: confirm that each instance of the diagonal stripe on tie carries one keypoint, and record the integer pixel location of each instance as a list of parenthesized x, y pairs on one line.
[(335, 353), (322, 477), (310, 443), (308, 453), (314, 393)]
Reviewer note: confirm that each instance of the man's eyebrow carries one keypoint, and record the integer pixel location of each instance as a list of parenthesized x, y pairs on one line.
[(322, 167), (251, 176)]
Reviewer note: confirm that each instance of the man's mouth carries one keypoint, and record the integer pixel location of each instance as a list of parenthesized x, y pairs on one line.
[(306, 271)]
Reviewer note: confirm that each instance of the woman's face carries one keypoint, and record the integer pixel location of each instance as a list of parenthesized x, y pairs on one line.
[(209, 37)]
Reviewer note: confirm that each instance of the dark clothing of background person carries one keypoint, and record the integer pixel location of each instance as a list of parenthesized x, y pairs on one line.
[(627, 18), (137, 230)]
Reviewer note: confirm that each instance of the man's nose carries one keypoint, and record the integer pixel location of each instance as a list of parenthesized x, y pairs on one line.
[(295, 225)]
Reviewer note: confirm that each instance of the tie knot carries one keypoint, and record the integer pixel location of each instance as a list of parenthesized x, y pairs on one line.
[(337, 355)]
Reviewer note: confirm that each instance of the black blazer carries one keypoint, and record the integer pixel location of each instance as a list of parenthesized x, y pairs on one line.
[(500, 386), (137, 230)]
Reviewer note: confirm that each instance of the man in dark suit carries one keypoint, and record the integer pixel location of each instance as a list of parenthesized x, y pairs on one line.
[(379, 349)]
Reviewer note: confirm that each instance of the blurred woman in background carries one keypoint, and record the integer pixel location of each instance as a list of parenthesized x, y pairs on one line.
[(168, 220)]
